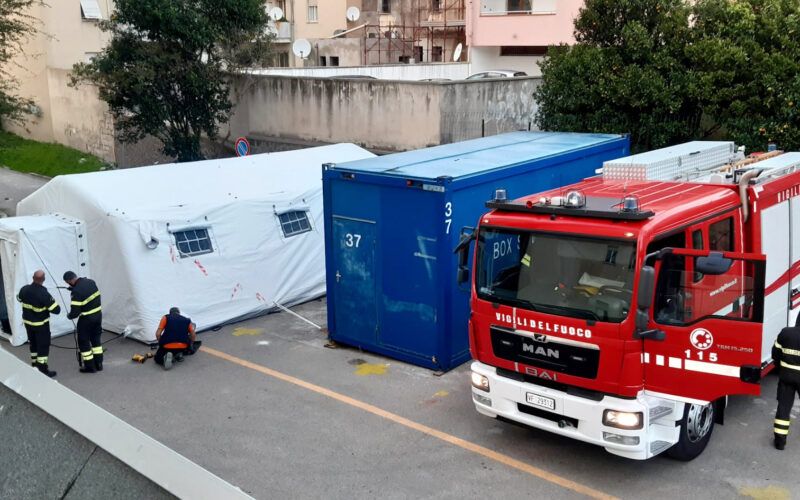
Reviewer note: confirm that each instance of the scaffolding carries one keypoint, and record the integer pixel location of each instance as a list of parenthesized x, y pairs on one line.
[(440, 25)]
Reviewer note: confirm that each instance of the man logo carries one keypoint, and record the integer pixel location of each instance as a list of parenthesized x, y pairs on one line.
[(540, 351), (701, 338), (540, 337)]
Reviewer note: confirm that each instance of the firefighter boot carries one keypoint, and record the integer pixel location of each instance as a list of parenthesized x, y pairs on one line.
[(88, 366), (44, 369), (780, 442), (168, 361), (98, 362)]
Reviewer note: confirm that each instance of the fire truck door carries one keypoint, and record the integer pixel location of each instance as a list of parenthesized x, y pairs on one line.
[(712, 346), (794, 264)]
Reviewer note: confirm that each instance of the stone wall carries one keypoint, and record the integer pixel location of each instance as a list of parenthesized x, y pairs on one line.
[(383, 115)]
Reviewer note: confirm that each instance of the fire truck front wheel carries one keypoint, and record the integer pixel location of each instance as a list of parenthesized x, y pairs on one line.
[(696, 425)]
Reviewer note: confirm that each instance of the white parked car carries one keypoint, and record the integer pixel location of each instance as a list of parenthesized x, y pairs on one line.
[(496, 73)]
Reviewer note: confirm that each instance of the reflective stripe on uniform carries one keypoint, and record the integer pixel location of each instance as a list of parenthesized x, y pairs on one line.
[(787, 423), (791, 367), (96, 309), (87, 355), (97, 350), (40, 323), (34, 309), (781, 431), (53, 306), (33, 355), (778, 345), (792, 352), (89, 299), (42, 359)]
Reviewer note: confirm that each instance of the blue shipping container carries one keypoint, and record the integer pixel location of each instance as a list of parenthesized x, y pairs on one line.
[(392, 222)]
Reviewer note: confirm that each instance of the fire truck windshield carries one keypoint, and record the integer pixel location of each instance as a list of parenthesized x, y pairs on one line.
[(575, 276)]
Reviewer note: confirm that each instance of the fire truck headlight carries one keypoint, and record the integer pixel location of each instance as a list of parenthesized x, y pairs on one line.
[(623, 419), (480, 382)]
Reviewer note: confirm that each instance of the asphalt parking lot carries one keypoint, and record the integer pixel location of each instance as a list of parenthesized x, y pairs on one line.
[(266, 406), (15, 187)]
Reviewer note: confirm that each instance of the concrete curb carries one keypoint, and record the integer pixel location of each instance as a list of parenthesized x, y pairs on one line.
[(165, 467)]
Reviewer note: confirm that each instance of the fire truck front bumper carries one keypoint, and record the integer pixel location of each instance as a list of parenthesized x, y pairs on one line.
[(638, 428)]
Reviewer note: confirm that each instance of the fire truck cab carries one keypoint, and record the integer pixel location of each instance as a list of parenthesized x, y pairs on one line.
[(624, 309)]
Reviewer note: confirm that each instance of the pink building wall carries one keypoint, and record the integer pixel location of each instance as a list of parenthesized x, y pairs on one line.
[(487, 28)]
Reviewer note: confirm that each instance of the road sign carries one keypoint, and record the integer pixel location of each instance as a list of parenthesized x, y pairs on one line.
[(242, 147)]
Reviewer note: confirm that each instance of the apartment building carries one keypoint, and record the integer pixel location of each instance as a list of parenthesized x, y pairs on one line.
[(413, 31), (316, 21), (514, 34), (68, 33)]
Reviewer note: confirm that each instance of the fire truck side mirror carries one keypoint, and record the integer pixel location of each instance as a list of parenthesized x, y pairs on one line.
[(647, 278), (714, 265), (462, 249)]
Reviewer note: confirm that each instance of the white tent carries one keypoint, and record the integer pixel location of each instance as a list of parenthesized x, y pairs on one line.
[(221, 239), (24, 243)]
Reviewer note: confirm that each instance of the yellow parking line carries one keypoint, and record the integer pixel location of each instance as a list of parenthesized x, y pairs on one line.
[(480, 450)]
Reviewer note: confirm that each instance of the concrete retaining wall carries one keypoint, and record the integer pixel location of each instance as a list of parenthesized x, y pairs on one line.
[(386, 115)]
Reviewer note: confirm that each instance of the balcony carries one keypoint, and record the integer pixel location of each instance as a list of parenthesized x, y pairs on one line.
[(282, 31), (514, 7)]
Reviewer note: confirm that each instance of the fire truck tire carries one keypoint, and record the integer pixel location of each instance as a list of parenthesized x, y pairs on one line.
[(696, 427)]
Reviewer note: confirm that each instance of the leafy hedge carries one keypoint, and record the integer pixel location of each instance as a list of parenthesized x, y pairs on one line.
[(670, 71)]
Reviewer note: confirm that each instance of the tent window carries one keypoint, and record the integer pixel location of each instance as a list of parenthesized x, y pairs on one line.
[(294, 223), (193, 242)]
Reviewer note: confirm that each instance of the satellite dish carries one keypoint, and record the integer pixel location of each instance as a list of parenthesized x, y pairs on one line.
[(276, 13), (457, 52), (353, 13), (301, 48)]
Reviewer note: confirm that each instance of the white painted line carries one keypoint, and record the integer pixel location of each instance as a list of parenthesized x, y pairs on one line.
[(674, 362), (647, 357), (165, 467), (659, 360), (713, 368)]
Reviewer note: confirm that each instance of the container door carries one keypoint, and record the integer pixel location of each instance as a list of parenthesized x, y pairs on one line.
[(354, 297), (713, 326)]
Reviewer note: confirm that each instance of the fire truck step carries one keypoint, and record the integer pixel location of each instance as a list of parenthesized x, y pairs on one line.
[(659, 411), (657, 447)]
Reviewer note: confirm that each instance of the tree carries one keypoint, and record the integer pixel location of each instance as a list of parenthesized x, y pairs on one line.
[(627, 73), (15, 26), (165, 71), (673, 70), (748, 55)]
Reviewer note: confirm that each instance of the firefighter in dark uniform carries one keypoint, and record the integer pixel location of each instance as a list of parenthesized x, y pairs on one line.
[(786, 355), (86, 307), (37, 304), (176, 337)]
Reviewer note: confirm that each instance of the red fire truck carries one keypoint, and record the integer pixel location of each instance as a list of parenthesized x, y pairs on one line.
[(624, 309)]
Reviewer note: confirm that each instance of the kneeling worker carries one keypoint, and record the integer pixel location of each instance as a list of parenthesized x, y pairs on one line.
[(175, 337)]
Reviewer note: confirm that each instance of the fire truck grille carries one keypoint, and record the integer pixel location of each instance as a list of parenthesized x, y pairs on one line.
[(545, 352)]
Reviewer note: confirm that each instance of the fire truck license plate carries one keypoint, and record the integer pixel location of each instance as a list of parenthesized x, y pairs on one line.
[(542, 401)]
